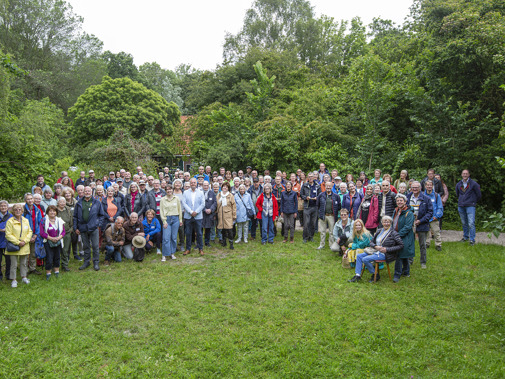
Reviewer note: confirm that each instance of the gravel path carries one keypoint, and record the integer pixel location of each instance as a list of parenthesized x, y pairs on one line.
[(456, 235)]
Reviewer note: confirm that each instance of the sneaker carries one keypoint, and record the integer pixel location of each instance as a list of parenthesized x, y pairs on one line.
[(438, 248), (423, 265), (14, 284), (48, 276), (57, 275), (263, 243), (396, 280), (354, 279), (472, 243), (245, 240), (463, 240), (158, 251), (284, 240), (173, 256), (320, 248), (237, 241), (163, 259), (26, 281), (304, 241)]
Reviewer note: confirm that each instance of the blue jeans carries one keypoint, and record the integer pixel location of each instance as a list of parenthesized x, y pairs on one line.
[(367, 260), (267, 229), (467, 215), (169, 245), (192, 224), (109, 250)]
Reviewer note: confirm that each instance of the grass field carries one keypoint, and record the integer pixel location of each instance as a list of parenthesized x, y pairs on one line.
[(260, 311)]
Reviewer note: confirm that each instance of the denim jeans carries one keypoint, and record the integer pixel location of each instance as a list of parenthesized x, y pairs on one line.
[(127, 251), (169, 246), (267, 229), (110, 250), (365, 259), (194, 224), (467, 215), (402, 266), (90, 240)]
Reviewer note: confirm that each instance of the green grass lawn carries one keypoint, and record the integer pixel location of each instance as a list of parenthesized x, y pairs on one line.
[(260, 311)]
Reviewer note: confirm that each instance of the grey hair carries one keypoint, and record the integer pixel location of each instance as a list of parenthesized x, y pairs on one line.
[(387, 218), (4, 201), (36, 196), (26, 195), (119, 217), (267, 185), (48, 190), (401, 195), (241, 186)]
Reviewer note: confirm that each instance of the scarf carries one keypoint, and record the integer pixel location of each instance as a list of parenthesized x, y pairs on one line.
[(133, 196), (398, 210), (59, 225), (223, 199)]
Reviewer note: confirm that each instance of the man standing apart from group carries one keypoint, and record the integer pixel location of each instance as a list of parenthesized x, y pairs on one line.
[(468, 192)]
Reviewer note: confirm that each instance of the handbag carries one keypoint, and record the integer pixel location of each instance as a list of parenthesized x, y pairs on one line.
[(345, 262), (250, 212), (10, 247), (370, 250)]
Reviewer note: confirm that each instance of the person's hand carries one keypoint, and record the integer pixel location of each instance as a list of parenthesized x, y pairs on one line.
[(147, 237), (2, 230), (111, 219), (141, 234), (417, 222), (193, 214), (207, 211), (382, 249), (121, 243), (34, 237), (295, 215), (180, 224), (338, 240), (77, 232), (165, 226), (282, 214), (22, 243)]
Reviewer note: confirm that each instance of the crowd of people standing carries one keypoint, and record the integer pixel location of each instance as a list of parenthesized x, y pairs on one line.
[(125, 216)]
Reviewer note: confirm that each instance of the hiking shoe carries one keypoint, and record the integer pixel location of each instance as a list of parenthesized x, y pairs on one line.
[(96, 267), (438, 248), (14, 284), (84, 266), (25, 280), (354, 279)]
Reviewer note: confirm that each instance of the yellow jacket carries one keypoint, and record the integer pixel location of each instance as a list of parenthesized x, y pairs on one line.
[(12, 231)]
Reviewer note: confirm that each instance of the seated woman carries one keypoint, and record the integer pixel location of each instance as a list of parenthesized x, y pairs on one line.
[(342, 232), (133, 227), (386, 243), (361, 238)]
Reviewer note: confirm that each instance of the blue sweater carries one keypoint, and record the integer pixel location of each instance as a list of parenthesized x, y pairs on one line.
[(438, 207)]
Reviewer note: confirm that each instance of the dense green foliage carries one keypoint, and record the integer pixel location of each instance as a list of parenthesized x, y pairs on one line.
[(293, 90), (260, 312)]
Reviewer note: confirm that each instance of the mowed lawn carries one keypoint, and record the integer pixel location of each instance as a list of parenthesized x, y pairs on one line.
[(278, 310)]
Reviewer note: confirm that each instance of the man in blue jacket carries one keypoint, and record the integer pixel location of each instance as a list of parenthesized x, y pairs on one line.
[(88, 216), (193, 202), (423, 212), (468, 192), (438, 212)]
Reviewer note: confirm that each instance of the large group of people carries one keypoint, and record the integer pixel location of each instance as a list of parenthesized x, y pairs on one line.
[(126, 216)]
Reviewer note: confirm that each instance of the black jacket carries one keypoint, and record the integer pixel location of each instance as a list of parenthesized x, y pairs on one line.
[(390, 204), (393, 244), (305, 193)]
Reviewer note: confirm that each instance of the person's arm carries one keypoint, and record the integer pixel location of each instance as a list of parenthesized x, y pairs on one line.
[(440, 207), (477, 191), (409, 223), (184, 204), (202, 203), (398, 243)]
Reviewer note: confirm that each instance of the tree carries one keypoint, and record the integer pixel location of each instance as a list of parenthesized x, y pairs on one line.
[(162, 81), (121, 104), (269, 24)]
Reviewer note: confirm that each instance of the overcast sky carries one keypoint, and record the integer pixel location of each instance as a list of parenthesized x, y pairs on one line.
[(192, 31)]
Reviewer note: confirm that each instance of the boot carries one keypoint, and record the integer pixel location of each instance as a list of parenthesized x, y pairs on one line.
[(231, 245), (223, 242)]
